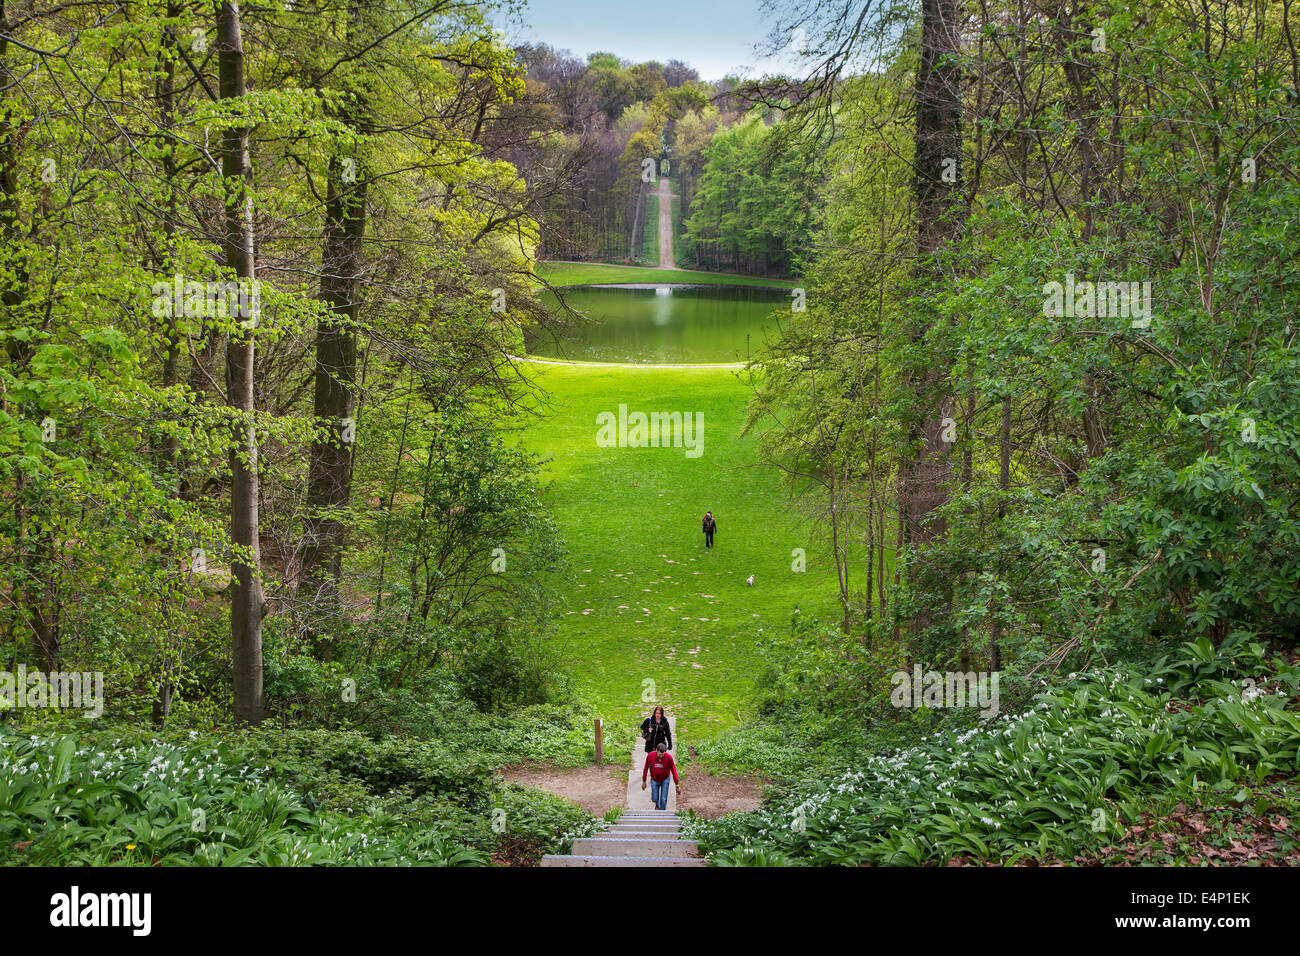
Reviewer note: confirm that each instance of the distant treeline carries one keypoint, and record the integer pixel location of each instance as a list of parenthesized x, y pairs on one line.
[(746, 199)]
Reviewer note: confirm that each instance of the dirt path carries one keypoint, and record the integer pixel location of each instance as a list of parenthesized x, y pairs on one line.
[(666, 258), (600, 789), (596, 789)]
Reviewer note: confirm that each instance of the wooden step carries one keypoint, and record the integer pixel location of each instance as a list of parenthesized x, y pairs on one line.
[(633, 846), (621, 861)]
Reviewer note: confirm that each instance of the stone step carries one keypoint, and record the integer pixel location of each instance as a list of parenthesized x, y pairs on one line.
[(647, 815), (649, 825), (633, 846), (647, 822), (623, 833), (673, 825), (640, 825), (621, 861)]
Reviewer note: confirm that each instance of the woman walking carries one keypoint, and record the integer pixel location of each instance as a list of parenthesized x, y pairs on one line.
[(655, 730)]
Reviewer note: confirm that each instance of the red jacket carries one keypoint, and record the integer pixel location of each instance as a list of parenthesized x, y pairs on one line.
[(659, 766)]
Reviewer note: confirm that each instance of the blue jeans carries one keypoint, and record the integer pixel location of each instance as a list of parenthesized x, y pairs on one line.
[(659, 793)]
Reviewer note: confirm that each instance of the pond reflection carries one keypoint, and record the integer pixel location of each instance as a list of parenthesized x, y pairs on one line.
[(663, 324)]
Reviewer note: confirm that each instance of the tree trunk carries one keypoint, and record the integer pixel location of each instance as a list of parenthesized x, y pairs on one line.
[(926, 475), (1004, 486), (246, 591), (330, 479), (162, 704)]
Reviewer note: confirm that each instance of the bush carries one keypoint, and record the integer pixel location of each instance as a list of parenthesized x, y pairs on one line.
[(1103, 747), (171, 804)]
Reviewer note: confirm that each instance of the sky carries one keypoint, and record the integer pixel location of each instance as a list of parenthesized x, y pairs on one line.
[(717, 37)]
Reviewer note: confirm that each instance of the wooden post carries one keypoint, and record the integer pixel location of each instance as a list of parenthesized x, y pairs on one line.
[(600, 741)]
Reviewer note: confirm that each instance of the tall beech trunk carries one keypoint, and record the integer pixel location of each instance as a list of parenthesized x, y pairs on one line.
[(937, 148), (329, 480), (162, 704), (246, 601), (329, 483), (927, 474)]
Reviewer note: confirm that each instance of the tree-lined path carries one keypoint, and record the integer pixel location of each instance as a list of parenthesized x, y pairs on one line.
[(667, 259)]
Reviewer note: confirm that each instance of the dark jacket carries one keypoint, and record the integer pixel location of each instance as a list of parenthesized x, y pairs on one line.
[(656, 733), (709, 524)]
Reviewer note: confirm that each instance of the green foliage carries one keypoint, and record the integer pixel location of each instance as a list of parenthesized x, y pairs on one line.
[(1059, 778), (125, 803), (270, 798), (820, 702), (753, 208), (649, 250)]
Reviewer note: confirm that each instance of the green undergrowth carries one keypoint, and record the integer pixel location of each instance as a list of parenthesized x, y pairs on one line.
[(1067, 778), (123, 796)]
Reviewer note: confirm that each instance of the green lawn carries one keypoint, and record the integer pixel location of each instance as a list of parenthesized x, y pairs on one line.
[(650, 232), (646, 600), (594, 273)]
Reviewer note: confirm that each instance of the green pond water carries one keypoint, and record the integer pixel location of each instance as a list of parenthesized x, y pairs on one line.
[(662, 324)]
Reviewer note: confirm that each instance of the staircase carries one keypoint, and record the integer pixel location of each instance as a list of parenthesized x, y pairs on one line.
[(639, 838)]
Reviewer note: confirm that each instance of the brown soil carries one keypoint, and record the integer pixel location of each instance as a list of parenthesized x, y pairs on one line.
[(599, 789), (596, 789), (711, 796)]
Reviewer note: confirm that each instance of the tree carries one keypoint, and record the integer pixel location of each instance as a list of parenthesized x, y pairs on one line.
[(246, 600)]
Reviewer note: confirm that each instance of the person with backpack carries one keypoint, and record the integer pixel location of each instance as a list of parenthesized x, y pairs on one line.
[(655, 730), (660, 766), (710, 526)]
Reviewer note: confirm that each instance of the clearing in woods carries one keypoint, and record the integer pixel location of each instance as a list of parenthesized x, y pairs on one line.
[(650, 615)]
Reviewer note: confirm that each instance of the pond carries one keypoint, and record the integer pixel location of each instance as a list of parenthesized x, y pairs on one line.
[(663, 324)]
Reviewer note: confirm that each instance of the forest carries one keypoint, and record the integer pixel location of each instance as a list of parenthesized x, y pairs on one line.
[(312, 554)]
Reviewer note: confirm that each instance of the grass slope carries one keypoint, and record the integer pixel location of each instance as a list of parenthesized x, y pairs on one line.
[(647, 602), (600, 273)]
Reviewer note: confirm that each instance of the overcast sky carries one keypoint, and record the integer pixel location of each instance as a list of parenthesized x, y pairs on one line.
[(717, 37)]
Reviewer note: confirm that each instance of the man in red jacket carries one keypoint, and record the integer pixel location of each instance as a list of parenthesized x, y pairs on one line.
[(660, 765)]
